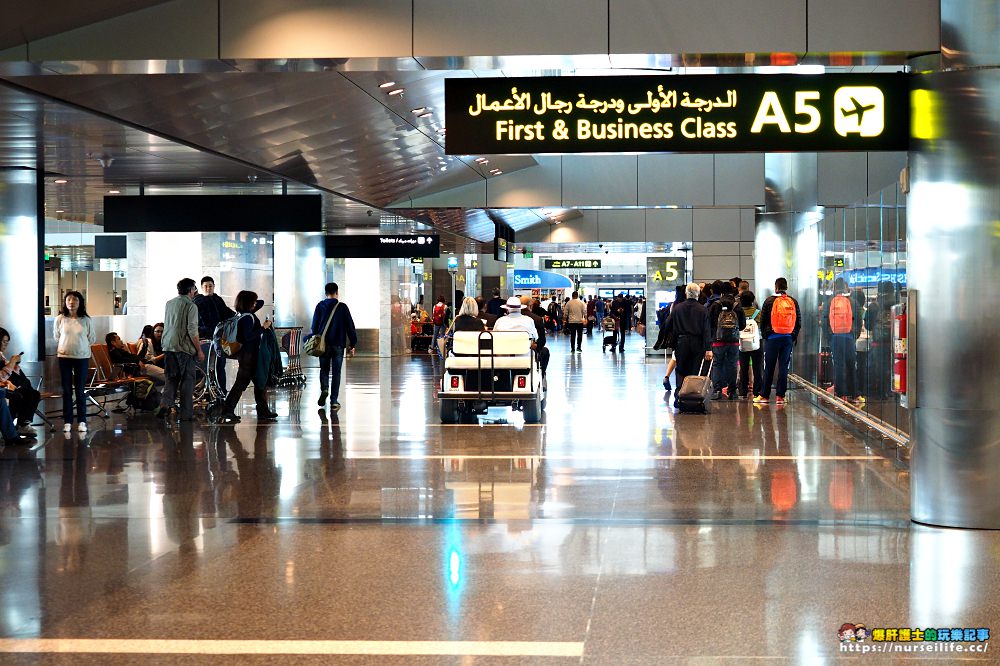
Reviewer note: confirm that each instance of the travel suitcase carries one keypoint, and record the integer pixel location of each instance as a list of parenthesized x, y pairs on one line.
[(695, 393)]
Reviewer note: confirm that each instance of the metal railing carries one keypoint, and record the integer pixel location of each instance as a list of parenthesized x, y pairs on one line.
[(878, 425)]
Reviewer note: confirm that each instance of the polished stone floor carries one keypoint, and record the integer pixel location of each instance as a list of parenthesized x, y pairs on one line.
[(615, 532)]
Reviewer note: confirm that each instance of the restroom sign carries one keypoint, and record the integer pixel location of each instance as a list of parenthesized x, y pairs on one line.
[(698, 113)]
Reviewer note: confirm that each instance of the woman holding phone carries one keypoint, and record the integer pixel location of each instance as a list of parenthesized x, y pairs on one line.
[(21, 395), (74, 334)]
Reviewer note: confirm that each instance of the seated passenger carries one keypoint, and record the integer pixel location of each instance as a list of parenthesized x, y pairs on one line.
[(468, 316), (151, 346), (514, 320), (22, 395), (487, 317), (133, 364), (7, 429)]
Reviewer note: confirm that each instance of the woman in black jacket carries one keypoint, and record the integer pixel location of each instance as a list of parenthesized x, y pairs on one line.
[(248, 335), (468, 316)]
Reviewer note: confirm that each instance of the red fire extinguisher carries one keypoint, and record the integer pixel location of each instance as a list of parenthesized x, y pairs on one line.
[(899, 348)]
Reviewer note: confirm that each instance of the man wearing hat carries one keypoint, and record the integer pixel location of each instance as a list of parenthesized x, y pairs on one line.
[(514, 320)]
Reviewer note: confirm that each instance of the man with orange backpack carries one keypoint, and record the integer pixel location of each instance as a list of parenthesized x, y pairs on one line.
[(844, 326), (780, 322)]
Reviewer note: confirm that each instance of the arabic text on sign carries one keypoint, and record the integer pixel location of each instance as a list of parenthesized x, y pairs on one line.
[(654, 102)]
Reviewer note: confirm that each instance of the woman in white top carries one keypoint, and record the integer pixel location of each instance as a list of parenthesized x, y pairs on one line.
[(74, 334)]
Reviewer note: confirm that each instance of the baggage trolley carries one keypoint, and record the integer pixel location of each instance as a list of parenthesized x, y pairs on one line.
[(290, 342)]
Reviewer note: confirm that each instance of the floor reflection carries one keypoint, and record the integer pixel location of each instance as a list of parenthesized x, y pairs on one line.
[(132, 519)]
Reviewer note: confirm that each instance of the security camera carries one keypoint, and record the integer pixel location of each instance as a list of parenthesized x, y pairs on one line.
[(600, 245), (605, 252), (369, 213)]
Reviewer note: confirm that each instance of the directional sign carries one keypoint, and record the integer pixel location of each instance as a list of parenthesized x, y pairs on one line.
[(688, 113)]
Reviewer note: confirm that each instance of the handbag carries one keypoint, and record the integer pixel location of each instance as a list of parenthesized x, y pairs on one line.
[(863, 341), (316, 345), (640, 328)]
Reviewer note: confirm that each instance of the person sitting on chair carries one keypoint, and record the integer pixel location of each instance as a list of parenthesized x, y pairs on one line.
[(133, 364), (22, 395)]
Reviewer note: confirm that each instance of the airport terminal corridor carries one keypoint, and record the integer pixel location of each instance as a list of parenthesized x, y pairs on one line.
[(573, 540)]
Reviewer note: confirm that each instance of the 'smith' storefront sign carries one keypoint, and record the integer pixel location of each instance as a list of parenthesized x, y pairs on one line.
[(699, 113)]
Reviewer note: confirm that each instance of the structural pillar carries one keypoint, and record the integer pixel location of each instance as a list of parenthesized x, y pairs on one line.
[(20, 256), (953, 259)]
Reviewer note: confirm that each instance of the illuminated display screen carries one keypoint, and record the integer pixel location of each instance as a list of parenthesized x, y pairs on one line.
[(697, 113)]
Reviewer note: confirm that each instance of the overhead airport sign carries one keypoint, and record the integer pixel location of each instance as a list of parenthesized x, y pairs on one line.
[(427, 246), (572, 263), (525, 279), (679, 113)]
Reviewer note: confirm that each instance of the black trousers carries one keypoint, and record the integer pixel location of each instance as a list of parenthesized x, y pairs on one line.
[(575, 335), (23, 403), (751, 364), (244, 375), (690, 353)]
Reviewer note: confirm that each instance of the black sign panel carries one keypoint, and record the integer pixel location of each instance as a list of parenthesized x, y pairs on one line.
[(110, 247), (697, 113), (503, 242), (384, 246), (572, 263), (213, 212)]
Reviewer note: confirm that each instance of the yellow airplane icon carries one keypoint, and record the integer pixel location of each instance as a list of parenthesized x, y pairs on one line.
[(859, 110)]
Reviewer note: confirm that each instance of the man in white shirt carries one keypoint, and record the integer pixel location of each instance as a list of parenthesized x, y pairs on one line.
[(576, 318), (515, 321)]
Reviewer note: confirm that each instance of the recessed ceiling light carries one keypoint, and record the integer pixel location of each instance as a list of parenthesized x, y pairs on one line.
[(60, 211), (442, 130), (482, 160), (425, 115), (387, 84), (397, 91), (113, 192), (420, 109), (61, 181), (444, 168)]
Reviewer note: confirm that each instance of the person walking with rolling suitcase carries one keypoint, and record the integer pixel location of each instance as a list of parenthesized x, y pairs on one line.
[(688, 322)]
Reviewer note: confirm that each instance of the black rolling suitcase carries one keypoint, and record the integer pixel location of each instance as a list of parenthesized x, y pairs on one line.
[(695, 393)]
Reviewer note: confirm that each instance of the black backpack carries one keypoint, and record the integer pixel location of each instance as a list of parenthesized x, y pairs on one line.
[(728, 329), (144, 395)]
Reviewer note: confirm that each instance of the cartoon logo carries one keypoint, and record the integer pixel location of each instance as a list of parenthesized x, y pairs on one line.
[(859, 110), (853, 633)]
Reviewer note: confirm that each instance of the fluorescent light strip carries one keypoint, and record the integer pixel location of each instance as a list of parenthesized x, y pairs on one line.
[(282, 647)]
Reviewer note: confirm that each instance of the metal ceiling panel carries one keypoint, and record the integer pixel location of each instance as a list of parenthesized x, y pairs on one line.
[(27, 21), (341, 132)]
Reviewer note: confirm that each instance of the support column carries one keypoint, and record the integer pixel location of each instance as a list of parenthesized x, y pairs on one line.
[(490, 271), (299, 277), (386, 311), (953, 259), (20, 257)]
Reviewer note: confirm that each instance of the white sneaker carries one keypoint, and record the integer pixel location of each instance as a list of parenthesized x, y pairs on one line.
[(68, 427), (82, 427)]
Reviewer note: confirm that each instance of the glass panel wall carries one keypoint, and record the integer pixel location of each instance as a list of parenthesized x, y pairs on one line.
[(862, 257)]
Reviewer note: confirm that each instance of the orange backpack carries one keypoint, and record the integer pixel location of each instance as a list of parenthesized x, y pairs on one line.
[(783, 314), (841, 314)]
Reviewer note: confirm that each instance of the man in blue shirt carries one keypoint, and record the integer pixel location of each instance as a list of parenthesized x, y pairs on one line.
[(335, 319)]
